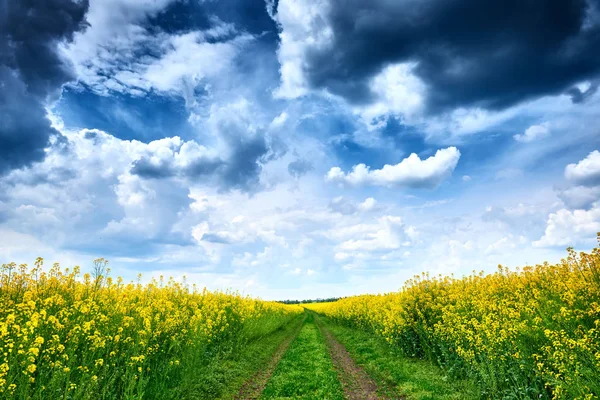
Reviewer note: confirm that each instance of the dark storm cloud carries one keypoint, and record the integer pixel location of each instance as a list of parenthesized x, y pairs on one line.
[(491, 54), (242, 170), (32, 73), (579, 96), (24, 129)]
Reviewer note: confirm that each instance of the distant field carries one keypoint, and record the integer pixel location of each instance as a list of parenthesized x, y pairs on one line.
[(532, 333)]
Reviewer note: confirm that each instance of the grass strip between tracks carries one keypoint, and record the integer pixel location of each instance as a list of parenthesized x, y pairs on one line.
[(306, 371), (253, 387)]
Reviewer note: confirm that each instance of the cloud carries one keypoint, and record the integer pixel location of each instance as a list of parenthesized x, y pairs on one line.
[(243, 143), (97, 204), (410, 172), (348, 207), (526, 219), (126, 51), (396, 90), (368, 205), (582, 94), (279, 120), (570, 228), (303, 26), (238, 230), (466, 53), (390, 233), (582, 190), (585, 172), (580, 222), (173, 157), (32, 73), (233, 162), (253, 260), (506, 244), (579, 197), (511, 215), (187, 59), (534, 132), (343, 206), (299, 167)]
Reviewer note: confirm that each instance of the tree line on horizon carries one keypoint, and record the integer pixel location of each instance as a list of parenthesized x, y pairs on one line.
[(319, 300)]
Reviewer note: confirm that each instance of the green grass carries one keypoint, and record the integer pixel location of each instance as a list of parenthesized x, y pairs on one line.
[(306, 370), (223, 377), (416, 379)]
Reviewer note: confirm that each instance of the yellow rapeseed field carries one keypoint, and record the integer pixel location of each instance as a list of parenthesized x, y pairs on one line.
[(525, 334), (63, 335)]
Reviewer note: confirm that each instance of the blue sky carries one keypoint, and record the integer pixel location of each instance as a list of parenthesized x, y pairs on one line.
[(299, 148)]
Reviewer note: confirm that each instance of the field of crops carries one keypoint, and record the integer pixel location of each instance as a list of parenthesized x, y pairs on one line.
[(66, 337), (525, 334)]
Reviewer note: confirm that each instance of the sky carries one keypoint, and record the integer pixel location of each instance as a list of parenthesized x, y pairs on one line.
[(297, 149)]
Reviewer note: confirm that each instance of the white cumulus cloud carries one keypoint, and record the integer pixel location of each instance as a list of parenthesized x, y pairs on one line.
[(303, 28), (532, 133), (398, 92), (389, 233), (585, 172), (410, 172), (570, 228)]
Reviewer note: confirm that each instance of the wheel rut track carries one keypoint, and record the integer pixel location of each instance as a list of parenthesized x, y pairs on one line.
[(357, 384), (253, 388)]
